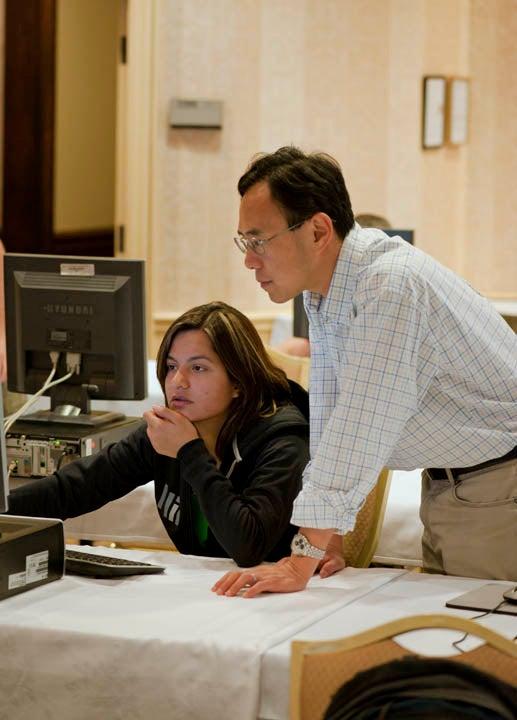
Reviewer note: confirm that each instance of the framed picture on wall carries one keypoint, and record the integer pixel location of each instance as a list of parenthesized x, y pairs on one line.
[(433, 118), (458, 115)]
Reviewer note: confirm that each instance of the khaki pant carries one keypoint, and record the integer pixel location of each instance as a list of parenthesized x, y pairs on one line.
[(470, 523)]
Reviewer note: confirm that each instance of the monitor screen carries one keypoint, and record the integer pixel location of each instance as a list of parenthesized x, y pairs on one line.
[(406, 235), (4, 490), (86, 317)]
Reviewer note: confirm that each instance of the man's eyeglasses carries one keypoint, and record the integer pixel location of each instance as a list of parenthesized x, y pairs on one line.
[(257, 245)]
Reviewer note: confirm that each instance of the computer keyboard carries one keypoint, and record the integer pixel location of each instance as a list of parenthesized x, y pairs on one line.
[(93, 565)]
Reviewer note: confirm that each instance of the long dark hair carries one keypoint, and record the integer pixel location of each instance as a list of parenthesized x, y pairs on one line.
[(261, 385)]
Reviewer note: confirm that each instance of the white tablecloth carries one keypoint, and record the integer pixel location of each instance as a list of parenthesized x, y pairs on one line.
[(401, 533), (410, 594), (160, 647), (132, 519), (165, 647)]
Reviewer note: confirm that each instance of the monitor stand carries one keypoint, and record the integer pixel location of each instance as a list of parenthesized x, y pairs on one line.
[(95, 418), (71, 405), (32, 553)]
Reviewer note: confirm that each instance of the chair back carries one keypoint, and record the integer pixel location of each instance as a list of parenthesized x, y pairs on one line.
[(295, 367), (319, 668), (359, 544)]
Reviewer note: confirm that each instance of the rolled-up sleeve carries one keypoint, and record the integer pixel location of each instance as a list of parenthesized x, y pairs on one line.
[(376, 394)]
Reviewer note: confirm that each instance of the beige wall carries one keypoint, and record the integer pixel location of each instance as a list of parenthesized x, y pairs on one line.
[(86, 57), (490, 239), (339, 75), (344, 76)]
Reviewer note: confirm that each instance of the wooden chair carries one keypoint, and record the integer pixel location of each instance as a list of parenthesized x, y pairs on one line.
[(359, 544), (295, 367), (319, 668)]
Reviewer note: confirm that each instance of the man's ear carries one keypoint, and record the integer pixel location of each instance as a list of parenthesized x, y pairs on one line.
[(323, 230)]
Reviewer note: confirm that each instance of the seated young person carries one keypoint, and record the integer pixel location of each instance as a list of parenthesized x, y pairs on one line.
[(226, 453)]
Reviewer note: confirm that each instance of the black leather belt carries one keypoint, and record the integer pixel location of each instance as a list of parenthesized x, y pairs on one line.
[(440, 473)]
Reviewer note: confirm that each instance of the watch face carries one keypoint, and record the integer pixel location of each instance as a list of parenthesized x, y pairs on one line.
[(301, 546), (299, 542)]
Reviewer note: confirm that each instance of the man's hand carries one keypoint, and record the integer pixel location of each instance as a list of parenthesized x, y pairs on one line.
[(333, 561), (168, 430), (289, 575)]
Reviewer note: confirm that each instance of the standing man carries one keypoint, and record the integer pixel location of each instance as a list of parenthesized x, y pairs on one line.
[(410, 367)]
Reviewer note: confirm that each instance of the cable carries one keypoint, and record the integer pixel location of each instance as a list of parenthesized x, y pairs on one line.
[(8, 421), (476, 617), (60, 459), (11, 467), (64, 454), (12, 418)]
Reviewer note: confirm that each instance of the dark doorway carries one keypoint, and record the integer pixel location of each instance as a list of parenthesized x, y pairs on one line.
[(29, 184)]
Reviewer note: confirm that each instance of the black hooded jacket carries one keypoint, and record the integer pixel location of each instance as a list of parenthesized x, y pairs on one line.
[(247, 501)]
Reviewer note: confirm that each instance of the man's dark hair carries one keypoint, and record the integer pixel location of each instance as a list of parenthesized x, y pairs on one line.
[(302, 185)]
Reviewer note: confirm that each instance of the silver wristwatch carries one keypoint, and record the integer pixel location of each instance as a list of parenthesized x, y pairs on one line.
[(301, 546)]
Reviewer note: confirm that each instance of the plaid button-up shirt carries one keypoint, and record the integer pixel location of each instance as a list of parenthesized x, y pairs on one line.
[(410, 367)]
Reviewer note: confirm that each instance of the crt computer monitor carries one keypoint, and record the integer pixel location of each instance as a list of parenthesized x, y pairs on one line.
[(84, 308), (300, 322)]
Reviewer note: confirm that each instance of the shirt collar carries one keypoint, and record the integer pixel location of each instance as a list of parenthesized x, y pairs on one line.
[(334, 306)]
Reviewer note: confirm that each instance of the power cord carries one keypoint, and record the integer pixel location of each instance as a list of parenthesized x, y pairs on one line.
[(54, 356), (456, 643)]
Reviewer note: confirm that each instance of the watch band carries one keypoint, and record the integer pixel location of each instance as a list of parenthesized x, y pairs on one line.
[(301, 546)]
